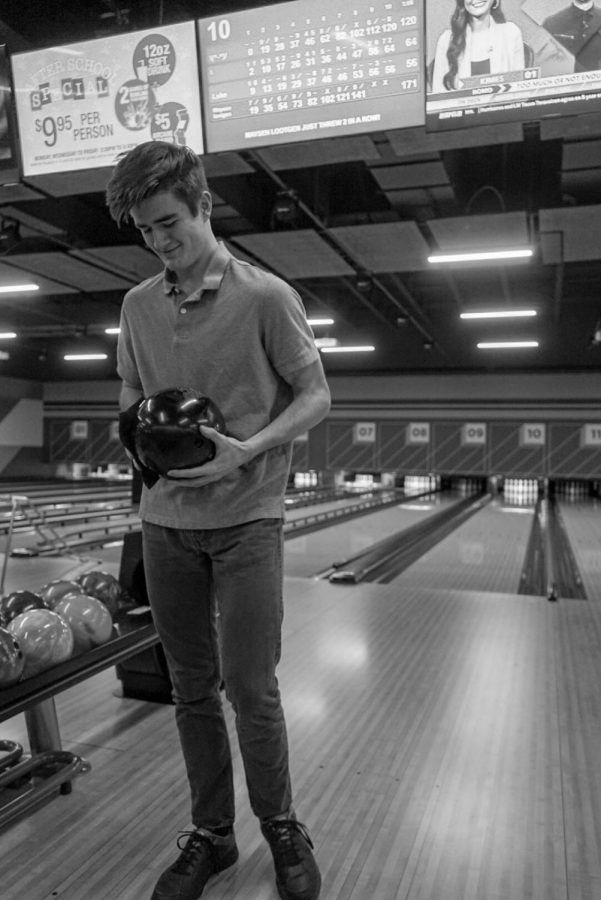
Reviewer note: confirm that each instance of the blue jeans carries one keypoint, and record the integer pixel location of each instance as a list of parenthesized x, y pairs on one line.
[(216, 599)]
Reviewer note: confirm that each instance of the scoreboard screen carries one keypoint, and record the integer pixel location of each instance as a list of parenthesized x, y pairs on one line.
[(311, 69)]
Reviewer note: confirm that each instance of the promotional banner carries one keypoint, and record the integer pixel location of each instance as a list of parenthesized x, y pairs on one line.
[(79, 106)]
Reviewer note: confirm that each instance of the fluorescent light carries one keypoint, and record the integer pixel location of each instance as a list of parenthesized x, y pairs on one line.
[(479, 257), (5, 335), (499, 314), (18, 288), (322, 342), (112, 330), (320, 321), (84, 356), (495, 345), (358, 349)]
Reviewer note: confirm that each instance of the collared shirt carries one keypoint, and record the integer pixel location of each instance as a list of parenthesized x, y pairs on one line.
[(235, 339), (579, 32)]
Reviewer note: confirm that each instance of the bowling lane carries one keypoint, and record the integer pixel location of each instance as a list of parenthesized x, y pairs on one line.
[(485, 553), (307, 555), (582, 520)]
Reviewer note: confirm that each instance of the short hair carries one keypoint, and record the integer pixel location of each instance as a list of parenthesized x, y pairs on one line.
[(151, 168)]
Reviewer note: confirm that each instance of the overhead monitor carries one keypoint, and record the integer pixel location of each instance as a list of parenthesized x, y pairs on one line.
[(311, 69), (80, 105), (9, 170), (496, 61)]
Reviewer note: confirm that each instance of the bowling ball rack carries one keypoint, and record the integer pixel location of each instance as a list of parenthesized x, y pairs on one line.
[(25, 782)]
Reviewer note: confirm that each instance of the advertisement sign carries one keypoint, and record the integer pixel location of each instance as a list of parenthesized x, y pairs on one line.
[(81, 105)]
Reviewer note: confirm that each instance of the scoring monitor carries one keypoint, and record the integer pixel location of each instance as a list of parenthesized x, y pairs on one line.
[(311, 69)]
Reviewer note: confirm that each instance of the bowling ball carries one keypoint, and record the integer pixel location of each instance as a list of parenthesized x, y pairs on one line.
[(44, 637), (12, 661), (103, 586), (18, 602), (90, 621), (54, 591), (167, 436)]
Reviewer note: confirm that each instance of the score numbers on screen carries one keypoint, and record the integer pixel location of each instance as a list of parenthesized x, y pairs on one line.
[(301, 70)]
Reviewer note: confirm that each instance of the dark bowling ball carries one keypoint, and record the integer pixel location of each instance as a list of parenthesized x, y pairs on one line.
[(55, 590), (167, 435), (103, 586), (12, 661), (18, 602)]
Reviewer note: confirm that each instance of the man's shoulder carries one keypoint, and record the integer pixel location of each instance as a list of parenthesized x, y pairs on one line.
[(563, 17), (263, 280), (144, 288)]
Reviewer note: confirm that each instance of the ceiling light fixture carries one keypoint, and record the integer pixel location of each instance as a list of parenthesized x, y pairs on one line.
[(7, 335), (320, 322), (497, 345), (366, 348), (322, 342), (72, 357), (480, 256), (499, 314), (112, 330), (18, 288)]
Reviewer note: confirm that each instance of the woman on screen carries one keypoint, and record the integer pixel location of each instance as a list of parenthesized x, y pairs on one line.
[(479, 42)]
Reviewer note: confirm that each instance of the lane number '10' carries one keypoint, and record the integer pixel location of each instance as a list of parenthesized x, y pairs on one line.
[(219, 31)]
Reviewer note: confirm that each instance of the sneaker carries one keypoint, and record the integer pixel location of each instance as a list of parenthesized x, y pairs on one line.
[(297, 874), (203, 855)]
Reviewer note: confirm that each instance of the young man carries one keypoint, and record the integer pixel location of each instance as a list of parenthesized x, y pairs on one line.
[(212, 535)]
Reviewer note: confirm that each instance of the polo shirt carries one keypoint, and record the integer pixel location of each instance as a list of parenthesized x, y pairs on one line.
[(236, 339)]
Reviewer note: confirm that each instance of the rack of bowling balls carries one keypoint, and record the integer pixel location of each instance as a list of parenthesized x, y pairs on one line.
[(51, 639)]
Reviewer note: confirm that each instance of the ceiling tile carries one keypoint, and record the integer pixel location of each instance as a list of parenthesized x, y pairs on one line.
[(320, 153), (387, 247), (129, 260), (481, 232), (66, 270), (409, 175), (10, 274), (295, 254), (570, 234)]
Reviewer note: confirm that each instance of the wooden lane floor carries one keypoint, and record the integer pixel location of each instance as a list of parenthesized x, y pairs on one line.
[(307, 555), (582, 521), (444, 745), (485, 553)]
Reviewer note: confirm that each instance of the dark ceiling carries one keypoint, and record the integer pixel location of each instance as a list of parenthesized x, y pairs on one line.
[(367, 209)]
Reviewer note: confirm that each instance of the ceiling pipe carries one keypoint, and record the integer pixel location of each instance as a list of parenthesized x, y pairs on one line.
[(255, 159)]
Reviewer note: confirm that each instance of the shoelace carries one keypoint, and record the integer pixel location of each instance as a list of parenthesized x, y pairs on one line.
[(286, 832), (196, 845)]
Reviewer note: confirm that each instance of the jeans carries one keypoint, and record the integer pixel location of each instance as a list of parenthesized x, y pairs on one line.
[(216, 599)]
